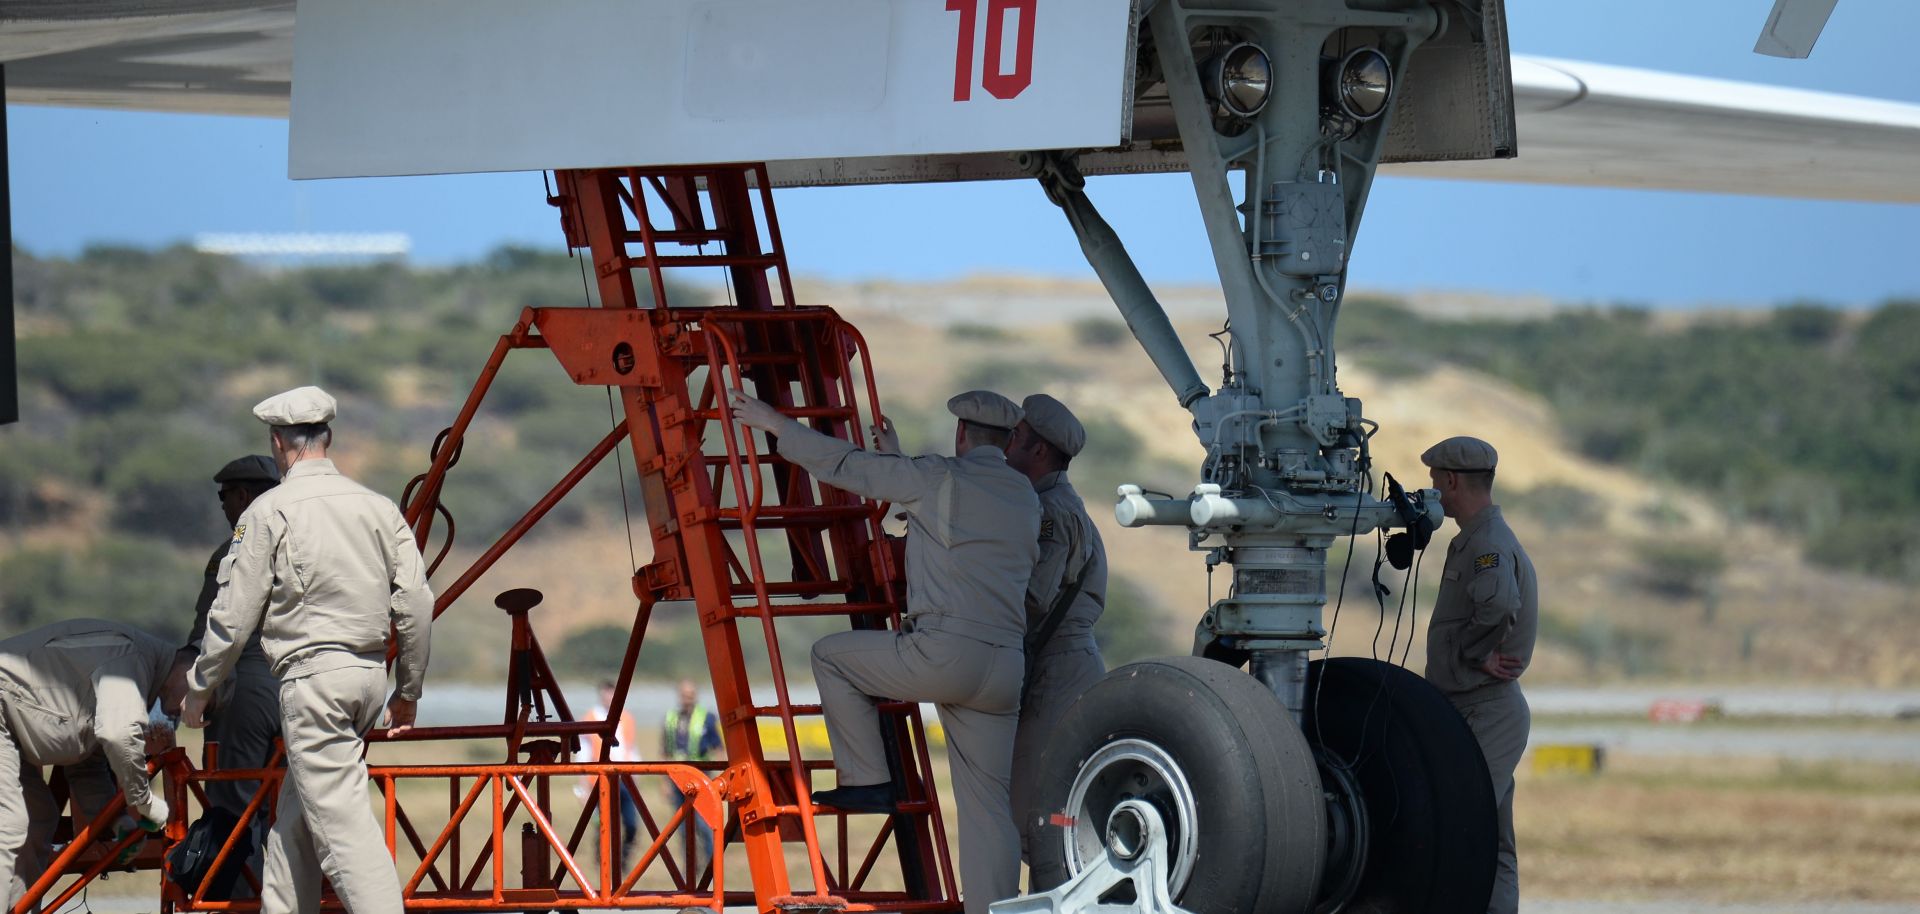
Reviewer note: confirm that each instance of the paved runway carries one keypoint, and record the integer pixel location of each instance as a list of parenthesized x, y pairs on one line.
[(1808, 742)]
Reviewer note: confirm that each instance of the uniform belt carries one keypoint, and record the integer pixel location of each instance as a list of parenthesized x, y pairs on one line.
[(965, 628)]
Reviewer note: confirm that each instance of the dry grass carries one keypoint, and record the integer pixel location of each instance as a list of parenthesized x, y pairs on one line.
[(1722, 831)]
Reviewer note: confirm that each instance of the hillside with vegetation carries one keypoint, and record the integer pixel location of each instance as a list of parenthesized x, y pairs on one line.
[(1706, 495)]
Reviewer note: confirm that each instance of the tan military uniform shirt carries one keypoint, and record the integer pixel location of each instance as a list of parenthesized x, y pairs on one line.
[(253, 658), (1070, 549), (75, 688), (323, 566), (972, 527), (1489, 600)]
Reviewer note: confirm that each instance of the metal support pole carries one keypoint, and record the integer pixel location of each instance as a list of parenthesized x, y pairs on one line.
[(1286, 470), (9, 371)]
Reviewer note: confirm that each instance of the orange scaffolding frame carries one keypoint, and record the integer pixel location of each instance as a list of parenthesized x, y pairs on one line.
[(717, 498)]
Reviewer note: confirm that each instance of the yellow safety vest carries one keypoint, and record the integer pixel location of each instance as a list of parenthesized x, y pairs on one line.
[(696, 731)]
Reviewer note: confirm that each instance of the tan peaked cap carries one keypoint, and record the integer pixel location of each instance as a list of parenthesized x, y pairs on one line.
[(251, 468), (1461, 454), (984, 407), (299, 406), (1055, 423)]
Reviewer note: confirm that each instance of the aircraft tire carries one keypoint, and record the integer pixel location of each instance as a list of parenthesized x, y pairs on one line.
[(1425, 822), (1245, 775)]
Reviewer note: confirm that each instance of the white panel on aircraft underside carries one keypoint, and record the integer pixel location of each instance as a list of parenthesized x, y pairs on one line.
[(434, 86)]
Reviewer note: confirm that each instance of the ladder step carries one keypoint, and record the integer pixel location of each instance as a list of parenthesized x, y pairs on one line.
[(796, 412), (680, 236), (771, 358), (766, 460), (800, 314), (910, 807), (884, 707), (800, 515), (797, 588), (799, 610), (749, 359), (668, 261)]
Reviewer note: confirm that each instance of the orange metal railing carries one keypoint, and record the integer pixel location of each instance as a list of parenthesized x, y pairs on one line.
[(668, 368)]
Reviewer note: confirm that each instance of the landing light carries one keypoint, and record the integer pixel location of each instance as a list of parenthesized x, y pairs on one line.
[(1362, 84), (1239, 81)]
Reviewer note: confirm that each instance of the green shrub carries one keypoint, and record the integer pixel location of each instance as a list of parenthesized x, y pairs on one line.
[(595, 651), (1132, 628), (1015, 378), (968, 331), (1100, 332), (162, 486), (1680, 568), (138, 581), (1558, 505)]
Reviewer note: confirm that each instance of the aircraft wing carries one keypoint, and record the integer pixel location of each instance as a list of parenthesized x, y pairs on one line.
[(1577, 123), (1592, 124)]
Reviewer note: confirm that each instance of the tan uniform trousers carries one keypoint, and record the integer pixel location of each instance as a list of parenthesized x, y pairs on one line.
[(1500, 719), (27, 815), (976, 686), (1060, 677), (325, 825)]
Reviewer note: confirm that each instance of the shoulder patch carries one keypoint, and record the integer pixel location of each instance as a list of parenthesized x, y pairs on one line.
[(239, 533), (1046, 528), (1483, 562)]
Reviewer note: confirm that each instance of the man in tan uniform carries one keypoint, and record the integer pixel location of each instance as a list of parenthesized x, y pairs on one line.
[(325, 567), (246, 717), (971, 545), (1481, 637), (1065, 596), (76, 694)]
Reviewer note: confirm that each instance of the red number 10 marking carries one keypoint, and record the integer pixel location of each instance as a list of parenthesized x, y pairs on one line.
[(998, 83)]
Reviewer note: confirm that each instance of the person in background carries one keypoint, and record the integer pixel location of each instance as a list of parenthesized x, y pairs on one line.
[(691, 733), (1065, 596), (245, 719), (76, 694), (625, 748), (1481, 637)]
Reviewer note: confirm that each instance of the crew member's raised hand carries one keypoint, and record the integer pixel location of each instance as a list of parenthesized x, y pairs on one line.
[(754, 413), (885, 439)]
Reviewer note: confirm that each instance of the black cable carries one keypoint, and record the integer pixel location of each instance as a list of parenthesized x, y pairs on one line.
[(1339, 600), (1413, 589), (1226, 352), (626, 509), (1380, 592)]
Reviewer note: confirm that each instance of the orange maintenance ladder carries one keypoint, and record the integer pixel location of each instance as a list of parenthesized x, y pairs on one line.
[(746, 538), (715, 516)]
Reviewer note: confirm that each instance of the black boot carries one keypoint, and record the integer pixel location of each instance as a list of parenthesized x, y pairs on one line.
[(865, 798)]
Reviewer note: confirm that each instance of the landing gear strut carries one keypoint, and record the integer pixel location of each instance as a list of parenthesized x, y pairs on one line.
[(1342, 785)]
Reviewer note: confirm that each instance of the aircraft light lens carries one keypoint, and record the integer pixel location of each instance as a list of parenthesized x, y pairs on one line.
[(1242, 80), (1363, 84)]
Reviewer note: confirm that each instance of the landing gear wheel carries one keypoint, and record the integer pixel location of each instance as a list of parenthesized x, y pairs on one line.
[(1217, 756), (1412, 820)]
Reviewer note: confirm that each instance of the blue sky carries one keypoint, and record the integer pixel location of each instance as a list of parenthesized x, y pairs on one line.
[(84, 176)]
